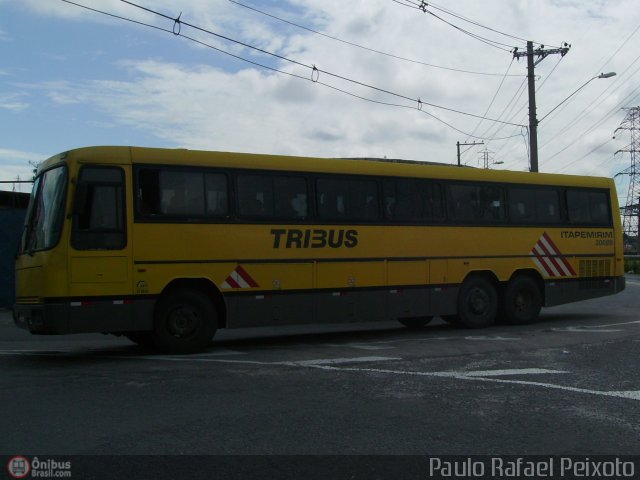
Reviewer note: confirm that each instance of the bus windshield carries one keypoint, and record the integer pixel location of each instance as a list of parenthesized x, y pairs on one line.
[(46, 211)]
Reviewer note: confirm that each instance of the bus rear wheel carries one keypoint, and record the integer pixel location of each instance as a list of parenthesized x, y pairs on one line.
[(477, 303), (522, 301), (415, 323), (184, 322)]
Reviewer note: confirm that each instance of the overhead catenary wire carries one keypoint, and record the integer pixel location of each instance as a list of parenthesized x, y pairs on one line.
[(314, 70), (493, 99), (418, 106), (422, 5), (369, 49)]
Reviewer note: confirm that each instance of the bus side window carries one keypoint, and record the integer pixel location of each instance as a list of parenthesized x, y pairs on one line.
[(290, 197), (578, 206), (521, 205), (599, 207), (255, 196), (217, 199), (463, 203), (547, 204), (99, 217)]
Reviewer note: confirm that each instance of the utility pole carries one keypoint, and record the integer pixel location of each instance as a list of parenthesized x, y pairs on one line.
[(485, 157), (465, 144), (541, 53)]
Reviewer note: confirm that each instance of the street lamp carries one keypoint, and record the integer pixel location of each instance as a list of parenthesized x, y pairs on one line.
[(602, 75), (533, 127)]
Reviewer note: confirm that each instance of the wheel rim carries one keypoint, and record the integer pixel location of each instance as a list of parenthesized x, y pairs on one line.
[(183, 320), (479, 301), (523, 302)]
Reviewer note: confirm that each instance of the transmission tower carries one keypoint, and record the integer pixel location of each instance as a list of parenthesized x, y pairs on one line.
[(631, 210)]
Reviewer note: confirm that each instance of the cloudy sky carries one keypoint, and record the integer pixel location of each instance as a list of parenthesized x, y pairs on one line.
[(390, 80)]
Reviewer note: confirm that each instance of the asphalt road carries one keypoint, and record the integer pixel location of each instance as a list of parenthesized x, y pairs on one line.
[(569, 384)]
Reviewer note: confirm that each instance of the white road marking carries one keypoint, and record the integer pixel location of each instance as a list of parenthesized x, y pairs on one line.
[(386, 344), (630, 395), (586, 330), (512, 371), (295, 363), (219, 352), (615, 324), (493, 339), (44, 353), (329, 364), (334, 361), (360, 346)]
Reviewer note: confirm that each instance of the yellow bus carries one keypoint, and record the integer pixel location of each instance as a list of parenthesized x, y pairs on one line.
[(167, 246)]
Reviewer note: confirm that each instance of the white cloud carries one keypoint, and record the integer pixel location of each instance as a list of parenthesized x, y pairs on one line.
[(204, 106), (14, 165), (12, 102)]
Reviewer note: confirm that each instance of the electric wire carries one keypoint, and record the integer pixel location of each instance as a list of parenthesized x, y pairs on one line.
[(417, 107), (314, 70), (607, 116), (369, 49), (424, 7), (493, 99)]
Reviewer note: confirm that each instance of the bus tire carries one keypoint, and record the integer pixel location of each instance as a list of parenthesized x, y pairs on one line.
[(522, 300), (184, 321), (477, 303), (415, 323)]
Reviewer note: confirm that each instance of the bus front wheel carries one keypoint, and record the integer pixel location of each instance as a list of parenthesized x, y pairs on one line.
[(477, 303), (522, 300), (184, 322)]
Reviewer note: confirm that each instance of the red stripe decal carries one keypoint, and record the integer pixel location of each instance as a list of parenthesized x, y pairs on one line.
[(543, 262), (246, 277), (549, 257), (562, 257), (232, 283)]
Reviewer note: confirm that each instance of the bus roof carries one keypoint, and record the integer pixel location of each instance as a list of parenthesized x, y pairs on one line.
[(124, 155)]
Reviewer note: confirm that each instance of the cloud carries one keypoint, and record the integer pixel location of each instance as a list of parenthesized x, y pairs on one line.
[(15, 165), (229, 105), (12, 102)]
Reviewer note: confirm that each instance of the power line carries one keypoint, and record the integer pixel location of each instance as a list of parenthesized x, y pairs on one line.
[(314, 70), (418, 107), (369, 49), (487, 41), (592, 105), (460, 17), (491, 102), (424, 6), (629, 98)]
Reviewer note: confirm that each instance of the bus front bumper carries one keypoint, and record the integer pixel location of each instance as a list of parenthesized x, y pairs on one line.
[(44, 319), (106, 316)]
